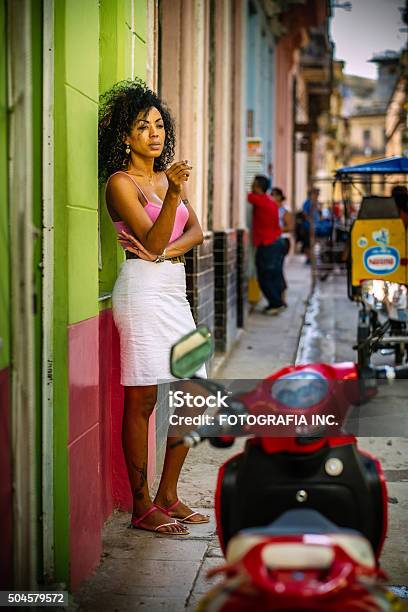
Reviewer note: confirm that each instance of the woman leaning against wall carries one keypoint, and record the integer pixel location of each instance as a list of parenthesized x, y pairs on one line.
[(147, 201)]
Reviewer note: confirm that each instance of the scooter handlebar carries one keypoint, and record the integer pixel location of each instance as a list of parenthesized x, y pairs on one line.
[(236, 407), (194, 438), (216, 429)]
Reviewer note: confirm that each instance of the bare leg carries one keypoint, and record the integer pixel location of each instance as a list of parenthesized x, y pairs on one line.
[(167, 492), (173, 462), (139, 405)]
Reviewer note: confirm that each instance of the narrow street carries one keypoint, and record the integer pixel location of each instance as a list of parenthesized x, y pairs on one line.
[(328, 335), (206, 130), (142, 572)]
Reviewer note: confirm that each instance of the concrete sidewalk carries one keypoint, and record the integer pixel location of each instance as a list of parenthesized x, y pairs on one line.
[(140, 571)]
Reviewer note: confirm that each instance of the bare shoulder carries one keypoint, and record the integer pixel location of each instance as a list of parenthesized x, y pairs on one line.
[(118, 182), (120, 187)]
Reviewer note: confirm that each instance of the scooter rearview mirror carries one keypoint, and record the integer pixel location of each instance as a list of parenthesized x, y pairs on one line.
[(191, 352)]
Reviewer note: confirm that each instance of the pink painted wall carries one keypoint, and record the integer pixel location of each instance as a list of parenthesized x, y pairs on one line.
[(109, 389), (84, 449), (184, 28), (116, 490), (296, 21), (283, 106), (6, 550), (98, 481)]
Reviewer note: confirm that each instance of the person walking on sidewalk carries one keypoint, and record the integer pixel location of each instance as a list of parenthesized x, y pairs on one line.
[(266, 233), (311, 215), (156, 224), (286, 225)]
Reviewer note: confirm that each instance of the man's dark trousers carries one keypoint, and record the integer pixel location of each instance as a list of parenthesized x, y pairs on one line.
[(269, 264)]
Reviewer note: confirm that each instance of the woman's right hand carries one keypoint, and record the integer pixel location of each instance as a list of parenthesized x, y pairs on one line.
[(132, 244), (178, 174)]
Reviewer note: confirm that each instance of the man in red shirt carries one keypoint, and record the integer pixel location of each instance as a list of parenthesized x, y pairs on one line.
[(266, 235)]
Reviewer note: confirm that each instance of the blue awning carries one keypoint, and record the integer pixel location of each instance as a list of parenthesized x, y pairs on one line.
[(389, 165)]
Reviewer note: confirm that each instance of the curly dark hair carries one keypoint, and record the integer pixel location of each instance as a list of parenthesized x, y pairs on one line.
[(118, 109)]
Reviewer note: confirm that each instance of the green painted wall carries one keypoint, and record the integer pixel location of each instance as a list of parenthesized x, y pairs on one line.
[(92, 51), (4, 217), (115, 46), (81, 98), (76, 220)]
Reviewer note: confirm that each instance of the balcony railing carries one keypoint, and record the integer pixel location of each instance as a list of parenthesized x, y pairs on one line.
[(367, 151)]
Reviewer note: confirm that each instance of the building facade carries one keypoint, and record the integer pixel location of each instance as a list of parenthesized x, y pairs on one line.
[(366, 104), (61, 401), (333, 142), (396, 123), (303, 81)]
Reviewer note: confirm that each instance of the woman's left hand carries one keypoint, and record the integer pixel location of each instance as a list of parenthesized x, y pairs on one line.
[(132, 244)]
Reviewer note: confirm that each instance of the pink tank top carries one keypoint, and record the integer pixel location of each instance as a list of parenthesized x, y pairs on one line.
[(153, 210)]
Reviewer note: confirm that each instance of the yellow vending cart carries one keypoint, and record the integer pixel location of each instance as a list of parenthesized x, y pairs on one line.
[(377, 257)]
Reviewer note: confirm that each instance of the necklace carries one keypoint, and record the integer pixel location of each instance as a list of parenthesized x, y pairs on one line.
[(146, 176)]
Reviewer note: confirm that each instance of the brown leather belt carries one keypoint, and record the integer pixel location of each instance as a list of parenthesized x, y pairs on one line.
[(174, 260)]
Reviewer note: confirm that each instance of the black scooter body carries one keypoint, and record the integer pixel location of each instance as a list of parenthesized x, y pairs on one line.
[(256, 488)]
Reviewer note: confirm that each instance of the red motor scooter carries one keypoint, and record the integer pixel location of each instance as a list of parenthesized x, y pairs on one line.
[(302, 512)]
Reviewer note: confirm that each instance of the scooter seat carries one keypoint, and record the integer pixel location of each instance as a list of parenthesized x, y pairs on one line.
[(301, 555), (298, 522)]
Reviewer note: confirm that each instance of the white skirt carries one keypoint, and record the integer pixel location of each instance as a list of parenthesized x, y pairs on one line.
[(151, 312)]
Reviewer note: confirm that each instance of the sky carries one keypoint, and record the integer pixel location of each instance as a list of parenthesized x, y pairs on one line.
[(372, 26)]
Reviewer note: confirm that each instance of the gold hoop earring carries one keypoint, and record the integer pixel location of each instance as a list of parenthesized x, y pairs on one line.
[(127, 148)]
